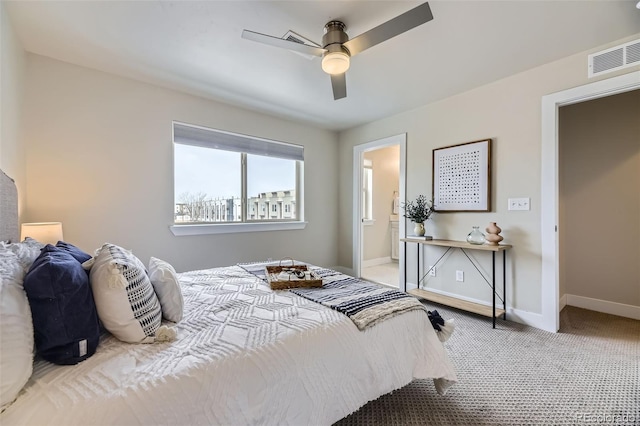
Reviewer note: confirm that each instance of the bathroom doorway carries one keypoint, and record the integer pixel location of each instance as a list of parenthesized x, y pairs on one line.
[(380, 205)]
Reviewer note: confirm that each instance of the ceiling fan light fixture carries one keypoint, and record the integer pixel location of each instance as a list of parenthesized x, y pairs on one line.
[(335, 63), (337, 48)]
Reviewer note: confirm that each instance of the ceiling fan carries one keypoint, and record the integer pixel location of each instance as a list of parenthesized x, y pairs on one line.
[(338, 49)]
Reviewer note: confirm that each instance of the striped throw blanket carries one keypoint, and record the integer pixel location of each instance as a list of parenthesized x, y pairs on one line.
[(365, 303)]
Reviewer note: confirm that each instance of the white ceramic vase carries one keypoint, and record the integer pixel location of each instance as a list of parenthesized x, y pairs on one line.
[(419, 229)]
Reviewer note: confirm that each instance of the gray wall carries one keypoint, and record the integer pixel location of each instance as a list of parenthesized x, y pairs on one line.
[(100, 160), (599, 149), (12, 155)]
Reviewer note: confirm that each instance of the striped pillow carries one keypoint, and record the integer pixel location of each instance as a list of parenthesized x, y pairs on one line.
[(126, 302)]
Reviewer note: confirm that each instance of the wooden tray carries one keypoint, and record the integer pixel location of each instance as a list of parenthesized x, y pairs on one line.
[(310, 279)]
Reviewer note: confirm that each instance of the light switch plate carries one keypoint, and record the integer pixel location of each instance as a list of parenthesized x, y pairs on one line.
[(519, 204)]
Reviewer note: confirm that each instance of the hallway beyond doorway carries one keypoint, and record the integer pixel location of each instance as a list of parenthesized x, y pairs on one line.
[(387, 274)]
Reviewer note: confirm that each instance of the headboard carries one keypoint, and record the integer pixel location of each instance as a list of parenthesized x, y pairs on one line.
[(9, 227)]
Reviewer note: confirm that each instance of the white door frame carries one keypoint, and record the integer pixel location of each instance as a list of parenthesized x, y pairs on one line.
[(549, 203), (358, 159)]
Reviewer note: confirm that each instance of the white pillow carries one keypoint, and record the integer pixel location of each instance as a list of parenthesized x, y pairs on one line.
[(27, 251), (165, 282), (16, 328), (126, 303)]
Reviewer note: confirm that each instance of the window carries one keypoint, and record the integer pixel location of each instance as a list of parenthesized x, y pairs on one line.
[(223, 177), (367, 191)]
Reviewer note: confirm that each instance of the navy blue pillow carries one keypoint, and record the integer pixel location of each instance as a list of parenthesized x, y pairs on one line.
[(65, 320), (74, 251)]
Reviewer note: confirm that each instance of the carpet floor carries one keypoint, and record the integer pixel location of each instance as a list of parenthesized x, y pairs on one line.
[(588, 373)]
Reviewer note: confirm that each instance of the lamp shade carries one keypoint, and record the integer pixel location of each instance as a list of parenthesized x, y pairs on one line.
[(44, 232), (335, 63)]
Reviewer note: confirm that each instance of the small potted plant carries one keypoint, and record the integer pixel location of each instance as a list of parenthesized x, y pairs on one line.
[(418, 211)]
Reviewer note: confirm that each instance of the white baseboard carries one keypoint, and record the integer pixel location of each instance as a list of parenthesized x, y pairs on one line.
[(563, 301), (375, 262), (527, 318), (613, 308)]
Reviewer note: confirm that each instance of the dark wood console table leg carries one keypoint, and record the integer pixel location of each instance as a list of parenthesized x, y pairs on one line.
[(504, 284), (405, 267), (493, 283)]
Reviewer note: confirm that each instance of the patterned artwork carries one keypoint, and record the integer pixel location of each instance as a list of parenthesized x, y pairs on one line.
[(461, 177)]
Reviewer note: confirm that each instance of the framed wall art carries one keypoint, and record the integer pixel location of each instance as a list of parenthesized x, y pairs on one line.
[(462, 177)]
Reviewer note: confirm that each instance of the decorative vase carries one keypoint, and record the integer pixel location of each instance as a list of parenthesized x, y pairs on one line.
[(493, 236), (475, 236), (419, 229)]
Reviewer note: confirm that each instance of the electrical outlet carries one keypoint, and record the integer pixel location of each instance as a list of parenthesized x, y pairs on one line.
[(519, 204), (460, 276), (432, 271)]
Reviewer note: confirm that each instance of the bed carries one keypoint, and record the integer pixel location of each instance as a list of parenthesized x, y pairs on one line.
[(244, 354)]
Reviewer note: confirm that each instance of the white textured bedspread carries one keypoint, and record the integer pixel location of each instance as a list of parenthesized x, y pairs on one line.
[(244, 355)]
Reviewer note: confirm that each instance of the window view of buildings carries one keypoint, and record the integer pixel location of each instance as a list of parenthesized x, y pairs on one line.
[(198, 208), (223, 177)]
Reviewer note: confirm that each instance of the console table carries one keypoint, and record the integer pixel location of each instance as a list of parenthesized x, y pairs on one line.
[(463, 246)]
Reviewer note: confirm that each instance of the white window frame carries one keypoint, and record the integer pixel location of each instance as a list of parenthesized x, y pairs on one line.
[(189, 134)]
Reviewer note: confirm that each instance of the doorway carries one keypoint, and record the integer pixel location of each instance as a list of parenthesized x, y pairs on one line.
[(599, 170), (380, 208), (550, 186), (379, 186)]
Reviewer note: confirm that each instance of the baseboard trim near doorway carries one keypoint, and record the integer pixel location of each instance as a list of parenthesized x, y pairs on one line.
[(375, 262), (605, 306)]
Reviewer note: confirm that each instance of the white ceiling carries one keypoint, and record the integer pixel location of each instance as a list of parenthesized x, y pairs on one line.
[(195, 46)]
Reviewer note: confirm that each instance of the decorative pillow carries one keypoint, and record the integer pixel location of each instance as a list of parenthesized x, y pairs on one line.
[(165, 282), (74, 251), (127, 305), (65, 320), (16, 329)]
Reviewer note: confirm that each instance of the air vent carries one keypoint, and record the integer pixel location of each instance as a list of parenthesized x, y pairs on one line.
[(291, 36), (614, 59), (633, 53)]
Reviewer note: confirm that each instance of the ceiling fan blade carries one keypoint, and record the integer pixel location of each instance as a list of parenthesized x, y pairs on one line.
[(285, 44), (339, 84), (408, 20)]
